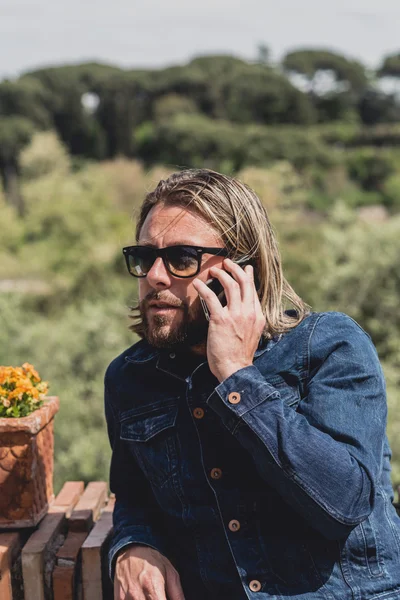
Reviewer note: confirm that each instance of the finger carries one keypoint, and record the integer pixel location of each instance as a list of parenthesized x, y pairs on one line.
[(173, 586), (250, 294), (126, 592), (157, 592), (244, 278), (213, 304), (231, 287)]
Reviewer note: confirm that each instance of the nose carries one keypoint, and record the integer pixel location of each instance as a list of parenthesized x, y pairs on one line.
[(158, 276)]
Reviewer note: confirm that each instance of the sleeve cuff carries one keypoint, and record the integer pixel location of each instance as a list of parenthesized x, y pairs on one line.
[(239, 393), (135, 537)]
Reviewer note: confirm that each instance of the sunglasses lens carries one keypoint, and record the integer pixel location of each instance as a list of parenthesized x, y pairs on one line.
[(182, 261), (140, 261)]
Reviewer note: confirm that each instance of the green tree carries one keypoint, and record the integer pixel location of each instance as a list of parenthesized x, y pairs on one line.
[(192, 141), (259, 94), (15, 134), (189, 141), (371, 167), (263, 54), (125, 102), (376, 106), (312, 63), (27, 98), (334, 82), (203, 80), (79, 130), (169, 106), (390, 66)]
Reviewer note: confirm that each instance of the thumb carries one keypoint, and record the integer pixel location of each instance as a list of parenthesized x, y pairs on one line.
[(173, 585)]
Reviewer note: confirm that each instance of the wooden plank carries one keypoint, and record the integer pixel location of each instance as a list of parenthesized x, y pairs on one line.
[(68, 497), (92, 554), (67, 573), (88, 509), (10, 544), (38, 556), (63, 583), (68, 553)]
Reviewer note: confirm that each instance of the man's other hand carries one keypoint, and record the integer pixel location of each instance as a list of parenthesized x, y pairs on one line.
[(142, 573)]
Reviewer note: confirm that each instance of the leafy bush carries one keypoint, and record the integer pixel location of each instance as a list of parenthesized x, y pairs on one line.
[(45, 154), (194, 141), (371, 168)]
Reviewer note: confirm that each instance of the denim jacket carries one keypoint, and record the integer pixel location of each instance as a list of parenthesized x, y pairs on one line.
[(272, 484)]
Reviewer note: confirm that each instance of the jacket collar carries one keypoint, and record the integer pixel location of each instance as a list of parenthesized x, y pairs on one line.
[(172, 362), (143, 352)]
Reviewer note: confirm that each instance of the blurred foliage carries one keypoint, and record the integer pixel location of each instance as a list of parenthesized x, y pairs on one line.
[(169, 106), (332, 88), (227, 111), (44, 156), (324, 161), (311, 62), (390, 66), (194, 140)]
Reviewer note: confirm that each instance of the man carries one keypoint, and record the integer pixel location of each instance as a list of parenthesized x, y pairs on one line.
[(249, 451)]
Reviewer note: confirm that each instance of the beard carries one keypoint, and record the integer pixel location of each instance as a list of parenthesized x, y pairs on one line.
[(187, 328)]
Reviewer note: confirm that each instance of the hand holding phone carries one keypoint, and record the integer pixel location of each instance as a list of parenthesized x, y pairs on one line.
[(234, 330), (216, 286)]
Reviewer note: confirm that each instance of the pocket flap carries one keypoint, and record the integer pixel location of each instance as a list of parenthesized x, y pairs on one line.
[(142, 427)]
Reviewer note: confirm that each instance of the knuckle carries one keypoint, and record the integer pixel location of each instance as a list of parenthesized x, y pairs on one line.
[(146, 581), (218, 319), (249, 315)]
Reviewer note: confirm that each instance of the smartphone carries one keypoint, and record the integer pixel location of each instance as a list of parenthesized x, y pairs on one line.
[(216, 286)]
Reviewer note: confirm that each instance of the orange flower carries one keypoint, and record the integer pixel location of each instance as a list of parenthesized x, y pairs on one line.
[(22, 388), (31, 371)]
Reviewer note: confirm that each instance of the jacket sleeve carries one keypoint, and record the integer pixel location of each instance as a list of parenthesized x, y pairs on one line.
[(136, 516), (325, 458)]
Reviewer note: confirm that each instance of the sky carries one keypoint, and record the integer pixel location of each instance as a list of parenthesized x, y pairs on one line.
[(156, 33)]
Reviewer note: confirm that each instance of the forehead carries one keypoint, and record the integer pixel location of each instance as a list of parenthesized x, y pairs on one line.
[(169, 225)]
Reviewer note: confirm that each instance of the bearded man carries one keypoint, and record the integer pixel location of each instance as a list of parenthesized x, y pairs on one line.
[(249, 454)]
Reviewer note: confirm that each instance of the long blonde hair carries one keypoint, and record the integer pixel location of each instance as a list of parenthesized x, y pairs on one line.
[(239, 218)]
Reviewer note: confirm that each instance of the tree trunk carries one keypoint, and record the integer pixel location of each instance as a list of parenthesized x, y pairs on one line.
[(9, 176)]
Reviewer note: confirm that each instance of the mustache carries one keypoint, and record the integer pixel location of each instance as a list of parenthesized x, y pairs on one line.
[(162, 297)]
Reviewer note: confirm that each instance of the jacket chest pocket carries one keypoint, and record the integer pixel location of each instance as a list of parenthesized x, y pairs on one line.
[(151, 437)]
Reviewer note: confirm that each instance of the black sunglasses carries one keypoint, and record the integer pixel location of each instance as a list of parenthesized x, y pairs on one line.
[(181, 261)]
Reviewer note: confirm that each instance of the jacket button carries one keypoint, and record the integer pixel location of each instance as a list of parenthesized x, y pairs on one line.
[(234, 525), (255, 585), (198, 413), (234, 398), (216, 473)]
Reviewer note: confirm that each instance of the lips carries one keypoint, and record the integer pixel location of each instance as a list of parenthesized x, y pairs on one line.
[(162, 305)]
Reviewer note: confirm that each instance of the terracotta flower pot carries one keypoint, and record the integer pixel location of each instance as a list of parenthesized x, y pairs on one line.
[(26, 466)]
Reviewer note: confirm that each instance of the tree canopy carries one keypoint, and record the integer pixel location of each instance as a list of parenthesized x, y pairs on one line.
[(215, 107)]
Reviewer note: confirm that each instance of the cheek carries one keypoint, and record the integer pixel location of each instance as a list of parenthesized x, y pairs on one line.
[(192, 295), (142, 288)]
